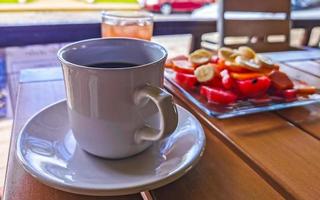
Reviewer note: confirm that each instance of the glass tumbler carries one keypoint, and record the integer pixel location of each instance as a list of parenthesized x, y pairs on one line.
[(131, 24)]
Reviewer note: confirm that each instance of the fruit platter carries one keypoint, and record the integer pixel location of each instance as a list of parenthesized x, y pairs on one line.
[(234, 82)]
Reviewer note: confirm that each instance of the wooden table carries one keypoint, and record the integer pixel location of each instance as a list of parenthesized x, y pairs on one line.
[(272, 155)]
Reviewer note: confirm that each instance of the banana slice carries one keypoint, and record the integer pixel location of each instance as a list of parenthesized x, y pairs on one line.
[(249, 64), (234, 55), (247, 52), (204, 73), (200, 56), (264, 62), (225, 53), (239, 60), (252, 65)]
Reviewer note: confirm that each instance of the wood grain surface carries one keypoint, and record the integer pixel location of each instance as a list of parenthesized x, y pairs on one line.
[(307, 117), (220, 173), (299, 75), (284, 155), (19, 185), (310, 67), (271, 155)]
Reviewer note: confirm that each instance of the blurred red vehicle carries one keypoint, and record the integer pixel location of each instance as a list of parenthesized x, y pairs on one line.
[(168, 6)]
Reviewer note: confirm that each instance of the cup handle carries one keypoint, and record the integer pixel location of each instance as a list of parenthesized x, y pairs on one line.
[(167, 109)]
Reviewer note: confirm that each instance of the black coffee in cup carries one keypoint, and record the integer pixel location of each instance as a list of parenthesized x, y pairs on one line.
[(112, 65)]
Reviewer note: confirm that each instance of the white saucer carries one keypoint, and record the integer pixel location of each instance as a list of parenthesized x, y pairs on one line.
[(48, 151)]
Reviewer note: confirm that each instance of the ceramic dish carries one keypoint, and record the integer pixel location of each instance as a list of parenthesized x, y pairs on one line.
[(240, 107), (48, 151)]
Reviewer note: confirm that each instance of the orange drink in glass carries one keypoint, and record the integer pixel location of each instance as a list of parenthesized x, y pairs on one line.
[(127, 24)]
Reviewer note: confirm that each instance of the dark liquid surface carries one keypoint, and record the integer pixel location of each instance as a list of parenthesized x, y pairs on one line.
[(112, 65)]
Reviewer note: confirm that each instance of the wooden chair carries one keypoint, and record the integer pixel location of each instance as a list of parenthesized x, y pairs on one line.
[(270, 31)]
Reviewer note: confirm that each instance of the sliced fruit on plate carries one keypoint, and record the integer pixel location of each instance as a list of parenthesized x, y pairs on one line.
[(205, 73), (200, 56), (214, 59), (290, 94), (217, 95), (233, 67), (305, 90), (265, 62), (169, 62), (280, 80), (245, 76), (227, 80), (253, 87), (226, 53), (248, 64), (187, 81), (236, 74), (246, 52), (183, 66)]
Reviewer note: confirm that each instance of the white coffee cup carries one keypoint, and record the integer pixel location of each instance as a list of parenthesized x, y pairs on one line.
[(118, 111)]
